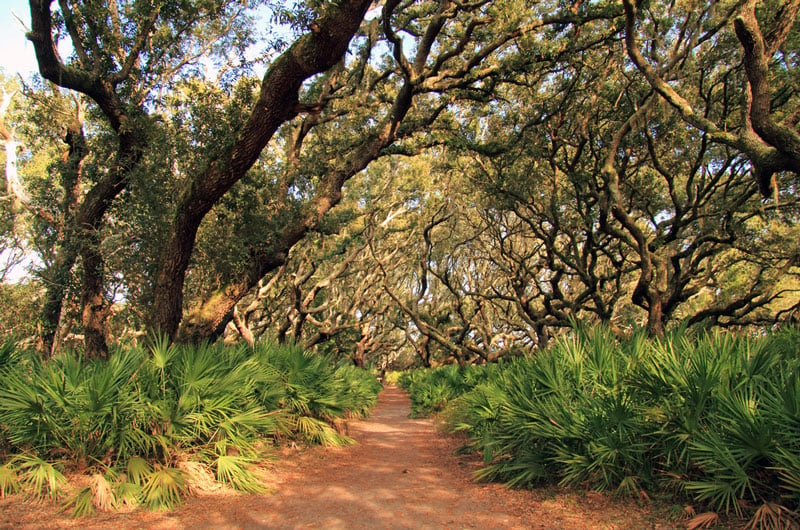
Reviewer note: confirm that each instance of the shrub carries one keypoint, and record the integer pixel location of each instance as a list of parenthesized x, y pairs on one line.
[(135, 419), (714, 417)]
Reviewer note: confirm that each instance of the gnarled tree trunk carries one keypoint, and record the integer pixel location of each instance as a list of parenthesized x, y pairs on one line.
[(130, 150), (311, 54), (58, 274)]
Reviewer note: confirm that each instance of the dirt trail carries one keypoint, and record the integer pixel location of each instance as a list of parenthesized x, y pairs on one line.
[(393, 478), (400, 474)]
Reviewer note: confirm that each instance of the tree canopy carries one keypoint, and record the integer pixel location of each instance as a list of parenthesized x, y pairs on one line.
[(429, 181)]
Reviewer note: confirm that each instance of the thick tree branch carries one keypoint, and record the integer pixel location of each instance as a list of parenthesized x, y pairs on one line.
[(757, 56), (767, 156), (312, 53)]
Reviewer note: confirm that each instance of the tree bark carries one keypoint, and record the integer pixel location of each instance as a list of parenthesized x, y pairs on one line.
[(758, 51), (57, 277), (95, 308), (243, 329), (207, 320)]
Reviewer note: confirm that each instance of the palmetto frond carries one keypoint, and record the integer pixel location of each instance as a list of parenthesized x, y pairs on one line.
[(164, 488), (234, 470), (39, 478), (9, 480)]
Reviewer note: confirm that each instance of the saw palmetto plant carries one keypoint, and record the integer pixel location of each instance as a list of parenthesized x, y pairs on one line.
[(136, 418), (709, 418)]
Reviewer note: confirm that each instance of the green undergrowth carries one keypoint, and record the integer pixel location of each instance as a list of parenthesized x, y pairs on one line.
[(709, 419), (150, 424)]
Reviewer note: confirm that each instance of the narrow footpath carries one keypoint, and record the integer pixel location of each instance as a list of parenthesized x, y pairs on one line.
[(401, 473), (396, 476)]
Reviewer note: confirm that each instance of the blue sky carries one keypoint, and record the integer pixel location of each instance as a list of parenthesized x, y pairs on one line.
[(16, 53)]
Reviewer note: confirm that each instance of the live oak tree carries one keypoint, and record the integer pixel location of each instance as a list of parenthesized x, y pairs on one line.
[(56, 199), (45, 127), (738, 111), (123, 53), (363, 110), (620, 191), (316, 51), (584, 167)]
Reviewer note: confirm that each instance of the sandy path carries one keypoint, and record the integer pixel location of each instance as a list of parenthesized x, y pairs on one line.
[(393, 478), (400, 474)]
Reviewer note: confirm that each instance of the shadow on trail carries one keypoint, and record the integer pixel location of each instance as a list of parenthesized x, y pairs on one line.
[(393, 477)]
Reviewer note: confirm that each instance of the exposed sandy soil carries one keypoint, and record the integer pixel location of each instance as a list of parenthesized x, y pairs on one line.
[(401, 473)]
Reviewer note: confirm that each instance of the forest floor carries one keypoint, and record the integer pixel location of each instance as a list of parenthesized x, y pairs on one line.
[(401, 473)]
